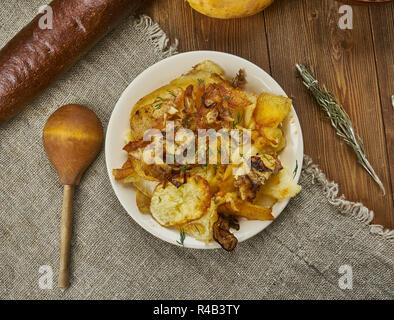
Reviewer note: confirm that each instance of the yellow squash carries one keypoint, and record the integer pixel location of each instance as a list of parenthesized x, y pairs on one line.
[(227, 9)]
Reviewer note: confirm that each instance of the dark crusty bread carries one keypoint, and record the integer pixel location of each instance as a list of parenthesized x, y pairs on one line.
[(34, 58)]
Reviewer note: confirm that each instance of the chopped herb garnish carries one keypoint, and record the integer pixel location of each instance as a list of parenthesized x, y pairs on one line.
[(183, 168), (238, 121), (198, 230), (161, 99), (295, 170), (172, 93), (182, 237), (199, 81), (158, 106), (159, 199), (226, 98), (196, 181), (187, 122), (239, 118)]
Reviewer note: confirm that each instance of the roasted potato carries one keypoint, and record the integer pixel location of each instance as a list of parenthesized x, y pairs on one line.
[(149, 112), (172, 206), (271, 110), (244, 208), (249, 121), (201, 229), (281, 186), (143, 202)]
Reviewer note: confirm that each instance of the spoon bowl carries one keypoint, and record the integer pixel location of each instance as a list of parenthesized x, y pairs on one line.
[(72, 138)]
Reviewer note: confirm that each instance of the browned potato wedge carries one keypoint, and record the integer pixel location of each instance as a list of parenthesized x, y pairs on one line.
[(172, 206), (142, 169), (271, 110), (123, 173), (281, 186), (246, 209), (143, 202)]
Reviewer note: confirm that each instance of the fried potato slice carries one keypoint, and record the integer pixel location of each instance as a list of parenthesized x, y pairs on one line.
[(264, 201), (150, 111), (281, 186), (122, 173), (208, 66), (143, 119), (145, 186), (249, 110), (143, 202), (271, 110), (172, 206), (201, 229), (141, 169), (212, 173), (244, 208)]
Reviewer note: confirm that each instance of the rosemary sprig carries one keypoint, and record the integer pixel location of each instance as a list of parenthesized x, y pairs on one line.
[(182, 237), (339, 119)]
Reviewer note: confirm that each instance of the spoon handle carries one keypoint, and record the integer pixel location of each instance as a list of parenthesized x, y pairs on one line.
[(65, 236)]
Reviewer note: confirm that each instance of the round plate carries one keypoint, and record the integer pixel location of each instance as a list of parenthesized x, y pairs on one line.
[(161, 74)]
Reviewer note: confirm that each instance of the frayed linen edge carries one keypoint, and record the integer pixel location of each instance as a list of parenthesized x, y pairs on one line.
[(157, 36), (354, 209)]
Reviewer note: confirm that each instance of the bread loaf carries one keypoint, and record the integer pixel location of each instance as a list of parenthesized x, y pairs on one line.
[(35, 57)]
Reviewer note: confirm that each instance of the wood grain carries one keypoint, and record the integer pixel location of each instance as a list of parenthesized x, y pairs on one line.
[(382, 22), (65, 237), (353, 63)]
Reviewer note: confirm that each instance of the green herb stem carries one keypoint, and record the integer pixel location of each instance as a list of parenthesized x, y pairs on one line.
[(182, 237), (339, 119)]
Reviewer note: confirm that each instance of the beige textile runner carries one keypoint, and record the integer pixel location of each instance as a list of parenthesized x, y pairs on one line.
[(317, 241)]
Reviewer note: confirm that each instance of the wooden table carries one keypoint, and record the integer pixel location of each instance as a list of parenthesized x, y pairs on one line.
[(357, 64)]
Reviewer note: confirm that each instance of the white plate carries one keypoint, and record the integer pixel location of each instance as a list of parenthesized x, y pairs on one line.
[(161, 74)]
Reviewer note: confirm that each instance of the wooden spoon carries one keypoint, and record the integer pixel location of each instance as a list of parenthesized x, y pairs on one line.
[(72, 138)]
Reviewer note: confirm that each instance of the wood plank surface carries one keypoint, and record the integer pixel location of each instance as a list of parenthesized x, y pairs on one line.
[(382, 22), (356, 64)]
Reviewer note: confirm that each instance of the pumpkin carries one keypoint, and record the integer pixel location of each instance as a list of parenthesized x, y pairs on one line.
[(227, 9)]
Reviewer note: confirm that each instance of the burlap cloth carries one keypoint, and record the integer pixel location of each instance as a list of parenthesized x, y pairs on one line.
[(298, 256)]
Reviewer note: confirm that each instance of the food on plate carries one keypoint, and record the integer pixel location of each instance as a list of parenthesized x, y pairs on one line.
[(203, 154), (227, 9), (174, 204), (36, 56)]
